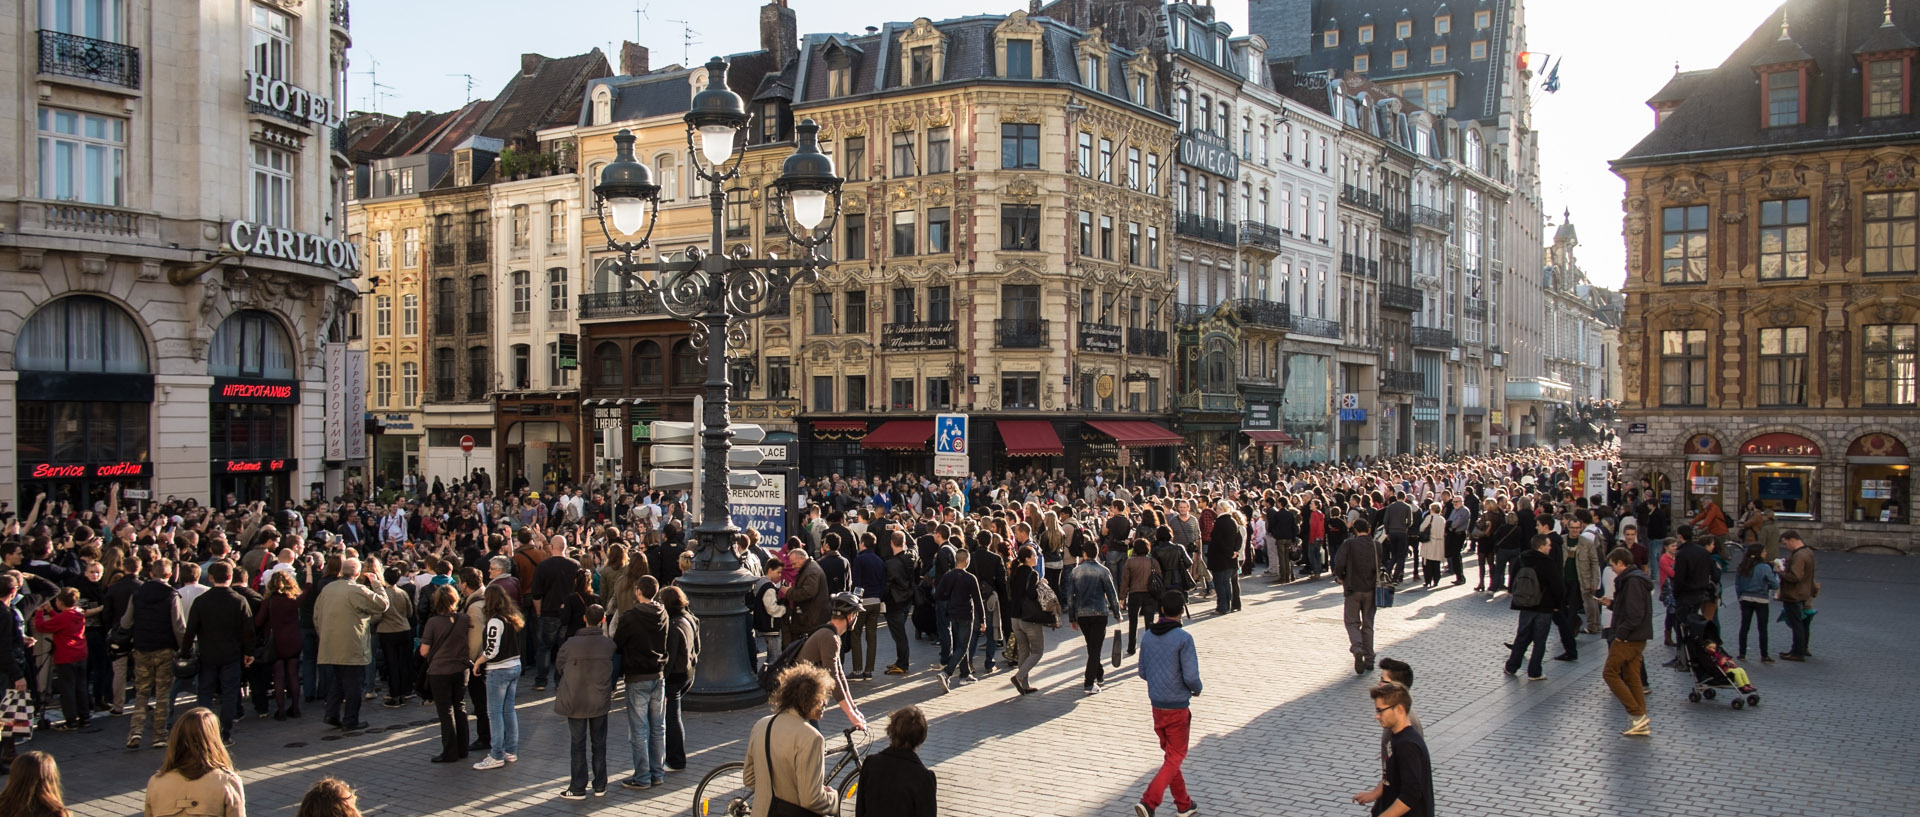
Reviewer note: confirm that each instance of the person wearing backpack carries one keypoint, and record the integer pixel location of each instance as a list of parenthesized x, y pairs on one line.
[(1141, 584), (1537, 591), (1030, 613), (768, 610)]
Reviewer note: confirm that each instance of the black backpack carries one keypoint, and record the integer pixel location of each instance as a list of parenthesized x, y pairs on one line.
[(1526, 588), (789, 655)]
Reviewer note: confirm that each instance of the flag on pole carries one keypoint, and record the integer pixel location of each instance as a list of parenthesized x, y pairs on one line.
[(1553, 77), (1527, 59)]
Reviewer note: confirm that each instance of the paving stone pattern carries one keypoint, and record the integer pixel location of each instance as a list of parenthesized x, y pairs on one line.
[(1283, 729)]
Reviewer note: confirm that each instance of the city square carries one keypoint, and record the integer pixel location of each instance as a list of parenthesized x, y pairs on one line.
[(1024, 408)]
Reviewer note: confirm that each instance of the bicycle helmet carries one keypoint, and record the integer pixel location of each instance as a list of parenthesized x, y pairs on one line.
[(843, 603)]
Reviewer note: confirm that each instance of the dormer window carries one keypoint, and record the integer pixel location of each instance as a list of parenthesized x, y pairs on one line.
[(1886, 87), (602, 105), (1366, 34), (1400, 58), (1141, 70), (839, 56), (922, 62), (1785, 97), (1403, 29), (1330, 38), (923, 54), (1019, 63), (1360, 63), (1443, 24), (1091, 53), (1090, 71), (1482, 19), (839, 81)]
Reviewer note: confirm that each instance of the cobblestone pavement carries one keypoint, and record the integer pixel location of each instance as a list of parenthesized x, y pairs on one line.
[(1283, 729)]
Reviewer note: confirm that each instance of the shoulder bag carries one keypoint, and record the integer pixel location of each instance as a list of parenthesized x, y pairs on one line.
[(781, 808)]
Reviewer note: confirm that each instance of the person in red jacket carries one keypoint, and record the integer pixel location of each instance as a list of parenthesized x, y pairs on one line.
[(66, 628)]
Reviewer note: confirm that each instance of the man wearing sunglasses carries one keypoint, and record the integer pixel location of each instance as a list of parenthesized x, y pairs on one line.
[(1408, 789)]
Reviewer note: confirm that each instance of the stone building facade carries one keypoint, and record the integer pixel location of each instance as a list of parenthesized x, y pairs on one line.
[(1767, 346)]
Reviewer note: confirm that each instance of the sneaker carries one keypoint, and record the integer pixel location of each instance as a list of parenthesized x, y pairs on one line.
[(1142, 810), (1536, 677), (1641, 728), (133, 742), (896, 670), (539, 686), (489, 762), (946, 684), (1093, 690), (512, 758), (599, 792), (636, 784), (393, 703), (964, 680), (1193, 811), (673, 769), (570, 794), (159, 743)]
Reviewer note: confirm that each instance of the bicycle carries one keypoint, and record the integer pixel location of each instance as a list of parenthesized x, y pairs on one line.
[(724, 791)]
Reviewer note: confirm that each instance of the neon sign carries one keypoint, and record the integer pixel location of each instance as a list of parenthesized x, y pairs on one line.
[(48, 470), (249, 390), (269, 466), (256, 390)]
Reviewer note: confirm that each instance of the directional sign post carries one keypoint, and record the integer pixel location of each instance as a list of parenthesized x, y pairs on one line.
[(950, 445)]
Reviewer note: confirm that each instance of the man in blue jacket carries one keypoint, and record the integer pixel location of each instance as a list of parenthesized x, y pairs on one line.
[(1171, 668)]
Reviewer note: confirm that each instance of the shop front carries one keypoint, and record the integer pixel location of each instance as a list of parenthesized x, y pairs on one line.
[(900, 447), (1879, 481), (1781, 471), (251, 442), (833, 448), (84, 403), (539, 441), (1703, 474), (1128, 445), (1306, 408), (397, 440)]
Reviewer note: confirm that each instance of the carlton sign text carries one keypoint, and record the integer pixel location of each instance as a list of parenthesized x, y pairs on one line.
[(287, 245)]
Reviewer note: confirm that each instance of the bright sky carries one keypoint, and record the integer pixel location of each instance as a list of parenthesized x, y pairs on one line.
[(1616, 55)]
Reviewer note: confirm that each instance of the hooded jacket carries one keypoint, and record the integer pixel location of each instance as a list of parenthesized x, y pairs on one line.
[(642, 638)]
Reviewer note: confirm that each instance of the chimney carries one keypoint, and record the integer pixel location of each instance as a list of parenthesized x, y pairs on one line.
[(633, 59), (779, 31), (530, 64)]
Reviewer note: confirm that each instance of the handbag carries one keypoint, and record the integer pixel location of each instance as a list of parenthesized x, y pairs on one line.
[(1116, 646), (1383, 595), (780, 808), (186, 666)]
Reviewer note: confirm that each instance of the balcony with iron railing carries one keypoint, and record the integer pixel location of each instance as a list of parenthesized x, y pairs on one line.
[(1348, 261), (443, 322), (476, 322), (476, 250), (1100, 337), (443, 255), (1205, 229), (1263, 236), (1217, 403), (1401, 297), (1316, 327), (71, 55), (1148, 342), (1190, 313), (1476, 308), (1428, 337), (1021, 333), (443, 390), (626, 304), (1402, 382), (1432, 219), (919, 336), (1373, 268), (1259, 312), (1360, 198), (1396, 221), (338, 14)]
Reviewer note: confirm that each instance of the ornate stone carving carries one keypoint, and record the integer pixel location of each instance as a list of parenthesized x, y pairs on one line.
[(1020, 115), (1684, 186), (1683, 319), (1781, 315), (1891, 170), (1022, 189), (1889, 311), (1783, 178), (1635, 227), (1835, 206)]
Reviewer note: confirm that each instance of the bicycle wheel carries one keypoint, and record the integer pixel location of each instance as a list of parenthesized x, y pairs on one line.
[(849, 789), (723, 793)]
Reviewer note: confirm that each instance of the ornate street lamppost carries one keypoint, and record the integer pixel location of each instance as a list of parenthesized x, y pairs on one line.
[(715, 293)]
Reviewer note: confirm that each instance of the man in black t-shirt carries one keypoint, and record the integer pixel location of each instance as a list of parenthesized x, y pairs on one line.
[(553, 580), (1408, 789)]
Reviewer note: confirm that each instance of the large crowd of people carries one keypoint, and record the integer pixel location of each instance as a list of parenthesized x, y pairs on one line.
[(467, 598)]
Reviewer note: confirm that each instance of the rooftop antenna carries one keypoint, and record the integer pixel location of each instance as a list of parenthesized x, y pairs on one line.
[(375, 88), (687, 42), (469, 86), (640, 13)]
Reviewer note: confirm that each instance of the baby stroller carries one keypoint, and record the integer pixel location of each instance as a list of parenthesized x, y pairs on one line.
[(1712, 668)]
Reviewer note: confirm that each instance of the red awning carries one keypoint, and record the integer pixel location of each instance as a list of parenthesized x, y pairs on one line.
[(1029, 438), (900, 435), (839, 425), (1137, 433), (1270, 437), (1497, 430)]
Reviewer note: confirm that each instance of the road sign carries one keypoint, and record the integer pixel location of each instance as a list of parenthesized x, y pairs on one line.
[(466, 443), (763, 508), (136, 493), (950, 445)]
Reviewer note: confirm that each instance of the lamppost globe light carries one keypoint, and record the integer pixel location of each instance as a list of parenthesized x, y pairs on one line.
[(809, 207), (629, 214), (716, 115)]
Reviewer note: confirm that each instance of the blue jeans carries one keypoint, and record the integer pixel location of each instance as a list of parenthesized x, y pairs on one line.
[(1797, 624), (543, 656), (1226, 590), (1534, 629), (961, 631), (647, 729), (503, 690), (988, 643), (219, 691), (581, 732)]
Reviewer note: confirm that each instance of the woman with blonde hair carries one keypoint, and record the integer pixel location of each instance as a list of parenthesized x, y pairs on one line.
[(33, 788), (197, 770)]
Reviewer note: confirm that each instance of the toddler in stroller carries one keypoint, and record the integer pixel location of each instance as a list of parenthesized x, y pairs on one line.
[(1712, 668)]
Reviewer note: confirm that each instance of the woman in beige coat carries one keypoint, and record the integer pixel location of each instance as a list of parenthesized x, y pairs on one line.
[(197, 778), (797, 770)]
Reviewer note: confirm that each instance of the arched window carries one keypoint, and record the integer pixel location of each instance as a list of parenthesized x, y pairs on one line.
[(81, 333), (251, 344), (646, 364), (686, 364), (607, 365)]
